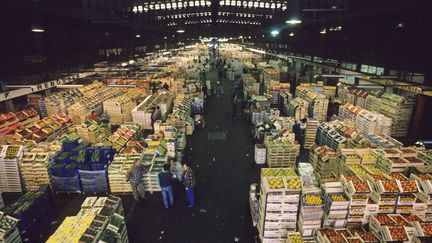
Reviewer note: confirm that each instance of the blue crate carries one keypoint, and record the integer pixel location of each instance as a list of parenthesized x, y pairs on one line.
[(94, 181), (66, 184), (63, 172), (69, 145)]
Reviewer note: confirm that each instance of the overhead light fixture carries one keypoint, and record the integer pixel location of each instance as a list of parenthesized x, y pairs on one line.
[(131, 62), (165, 37), (124, 64), (323, 31), (37, 29), (291, 34), (293, 21), (400, 25), (274, 33), (180, 31), (138, 36)]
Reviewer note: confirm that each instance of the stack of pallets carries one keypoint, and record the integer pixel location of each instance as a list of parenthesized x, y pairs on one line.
[(311, 130)]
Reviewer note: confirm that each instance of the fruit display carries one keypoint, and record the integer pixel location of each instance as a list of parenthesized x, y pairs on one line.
[(358, 170), (372, 169), (294, 183), (413, 218), (399, 220), (390, 186), (12, 152), (368, 236), (361, 186), (313, 200), (338, 198), (278, 172), (410, 186), (398, 233), (414, 160), (276, 183), (426, 229), (294, 238), (398, 176), (385, 220)]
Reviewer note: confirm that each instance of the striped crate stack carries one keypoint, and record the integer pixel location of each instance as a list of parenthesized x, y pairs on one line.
[(119, 109), (10, 180), (310, 135), (393, 106), (348, 114), (281, 152), (373, 123), (278, 206), (33, 165)]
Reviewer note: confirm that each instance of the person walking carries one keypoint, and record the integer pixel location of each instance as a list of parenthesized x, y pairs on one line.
[(189, 183), (165, 184), (134, 175), (105, 117)]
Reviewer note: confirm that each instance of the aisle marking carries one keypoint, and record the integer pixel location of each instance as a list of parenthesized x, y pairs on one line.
[(217, 136)]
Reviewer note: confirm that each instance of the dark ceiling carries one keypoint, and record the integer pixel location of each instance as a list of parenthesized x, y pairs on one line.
[(394, 33)]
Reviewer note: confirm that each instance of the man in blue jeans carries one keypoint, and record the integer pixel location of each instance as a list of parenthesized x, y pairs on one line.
[(189, 183), (165, 184)]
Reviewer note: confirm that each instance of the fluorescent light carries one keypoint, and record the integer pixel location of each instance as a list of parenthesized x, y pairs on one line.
[(323, 32), (165, 37), (124, 64), (137, 36), (180, 31), (37, 30), (131, 62), (274, 33), (293, 21), (291, 34)]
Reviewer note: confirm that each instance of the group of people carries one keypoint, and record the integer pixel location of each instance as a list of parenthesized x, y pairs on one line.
[(158, 86), (174, 177)]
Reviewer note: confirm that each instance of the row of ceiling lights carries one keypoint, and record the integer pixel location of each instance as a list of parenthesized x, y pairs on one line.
[(245, 15), (169, 6), (202, 21), (179, 16), (227, 21), (254, 4)]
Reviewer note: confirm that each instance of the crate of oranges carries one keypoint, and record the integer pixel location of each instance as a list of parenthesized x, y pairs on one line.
[(423, 229), (336, 201), (395, 234), (358, 187), (409, 186), (388, 186)]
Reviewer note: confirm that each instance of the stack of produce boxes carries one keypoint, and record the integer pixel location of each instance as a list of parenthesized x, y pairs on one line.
[(425, 194), (358, 191), (10, 180), (281, 152), (80, 111), (348, 114), (278, 204), (311, 212), (118, 168), (119, 109), (335, 210), (8, 229), (298, 108), (310, 136), (125, 133), (407, 200), (34, 163), (348, 158), (99, 220), (385, 193), (92, 131), (323, 159)]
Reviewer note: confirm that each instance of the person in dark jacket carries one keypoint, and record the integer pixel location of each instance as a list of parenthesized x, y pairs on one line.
[(165, 184), (189, 183)]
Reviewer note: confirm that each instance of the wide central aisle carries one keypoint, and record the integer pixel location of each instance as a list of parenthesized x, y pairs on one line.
[(221, 156)]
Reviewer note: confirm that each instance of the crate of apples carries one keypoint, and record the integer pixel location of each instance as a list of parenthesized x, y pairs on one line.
[(391, 186), (398, 176), (426, 229), (276, 183), (367, 236), (399, 220), (385, 220), (294, 183), (361, 186), (410, 186), (396, 233)]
